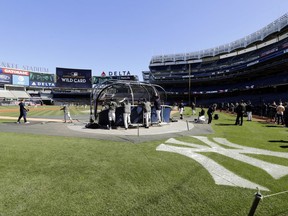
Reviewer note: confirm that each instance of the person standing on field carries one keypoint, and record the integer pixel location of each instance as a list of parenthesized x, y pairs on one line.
[(210, 112), (67, 115), (181, 109), (279, 113), (193, 107), (127, 112), (157, 105), (240, 110), (112, 113), (147, 112), (249, 108), (23, 112)]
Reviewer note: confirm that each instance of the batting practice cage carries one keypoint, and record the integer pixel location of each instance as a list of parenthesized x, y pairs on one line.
[(133, 91)]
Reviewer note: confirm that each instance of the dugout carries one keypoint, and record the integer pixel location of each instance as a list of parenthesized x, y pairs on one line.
[(135, 92)]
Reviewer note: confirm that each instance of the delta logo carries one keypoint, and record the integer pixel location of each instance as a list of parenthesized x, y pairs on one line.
[(103, 74)]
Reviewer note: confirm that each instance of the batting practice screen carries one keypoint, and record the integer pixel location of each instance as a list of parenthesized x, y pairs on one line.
[(73, 78)]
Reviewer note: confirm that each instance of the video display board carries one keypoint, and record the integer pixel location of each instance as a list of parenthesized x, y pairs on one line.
[(14, 76), (20, 80), (42, 79), (5, 78), (73, 78), (100, 79)]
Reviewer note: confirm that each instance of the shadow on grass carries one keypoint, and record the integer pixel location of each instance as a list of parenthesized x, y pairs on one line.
[(280, 141), (222, 124), (272, 126)]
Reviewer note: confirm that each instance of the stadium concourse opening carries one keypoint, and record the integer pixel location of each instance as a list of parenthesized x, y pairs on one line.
[(135, 92)]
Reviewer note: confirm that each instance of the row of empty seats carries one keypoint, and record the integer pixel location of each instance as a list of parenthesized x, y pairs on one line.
[(13, 94)]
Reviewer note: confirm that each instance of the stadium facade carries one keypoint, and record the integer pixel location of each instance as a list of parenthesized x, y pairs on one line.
[(252, 68), (66, 85)]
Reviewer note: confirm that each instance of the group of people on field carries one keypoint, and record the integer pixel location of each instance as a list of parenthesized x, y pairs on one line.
[(125, 103), (278, 113), (112, 105), (23, 110), (201, 117)]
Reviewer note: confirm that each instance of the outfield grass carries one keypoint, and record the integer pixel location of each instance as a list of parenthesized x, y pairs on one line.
[(40, 111), (46, 175)]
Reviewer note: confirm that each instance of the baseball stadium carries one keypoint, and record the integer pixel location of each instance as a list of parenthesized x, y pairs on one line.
[(252, 68), (175, 163)]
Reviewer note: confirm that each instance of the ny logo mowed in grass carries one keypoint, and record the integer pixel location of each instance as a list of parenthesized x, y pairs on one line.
[(219, 173)]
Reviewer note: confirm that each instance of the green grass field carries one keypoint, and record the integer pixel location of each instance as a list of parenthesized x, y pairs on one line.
[(46, 175), (40, 111)]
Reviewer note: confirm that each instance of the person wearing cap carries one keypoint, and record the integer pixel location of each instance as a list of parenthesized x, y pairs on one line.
[(210, 111), (112, 113), (240, 110), (23, 112), (181, 109), (279, 113), (147, 112), (157, 105), (249, 108), (66, 111), (127, 112)]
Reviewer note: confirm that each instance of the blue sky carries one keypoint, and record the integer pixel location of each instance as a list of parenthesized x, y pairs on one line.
[(123, 35)]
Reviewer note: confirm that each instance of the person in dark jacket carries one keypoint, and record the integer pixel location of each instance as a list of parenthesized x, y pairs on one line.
[(23, 112), (202, 111), (240, 110), (181, 109), (210, 112), (157, 105)]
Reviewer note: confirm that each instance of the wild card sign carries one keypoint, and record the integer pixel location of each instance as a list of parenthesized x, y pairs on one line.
[(73, 78)]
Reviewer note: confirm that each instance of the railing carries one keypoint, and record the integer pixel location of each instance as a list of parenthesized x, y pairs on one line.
[(273, 27)]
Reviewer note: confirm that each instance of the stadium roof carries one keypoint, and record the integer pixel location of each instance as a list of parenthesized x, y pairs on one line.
[(259, 35)]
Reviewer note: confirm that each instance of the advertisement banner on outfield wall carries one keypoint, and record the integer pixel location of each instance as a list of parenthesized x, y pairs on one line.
[(15, 71), (5, 78), (42, 79), (20, 80), (99, 79), (73, 78), (130, 78)]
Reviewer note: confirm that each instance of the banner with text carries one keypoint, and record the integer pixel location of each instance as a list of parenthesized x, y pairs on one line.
[(15, 71), (73, 78), (42, 79)]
